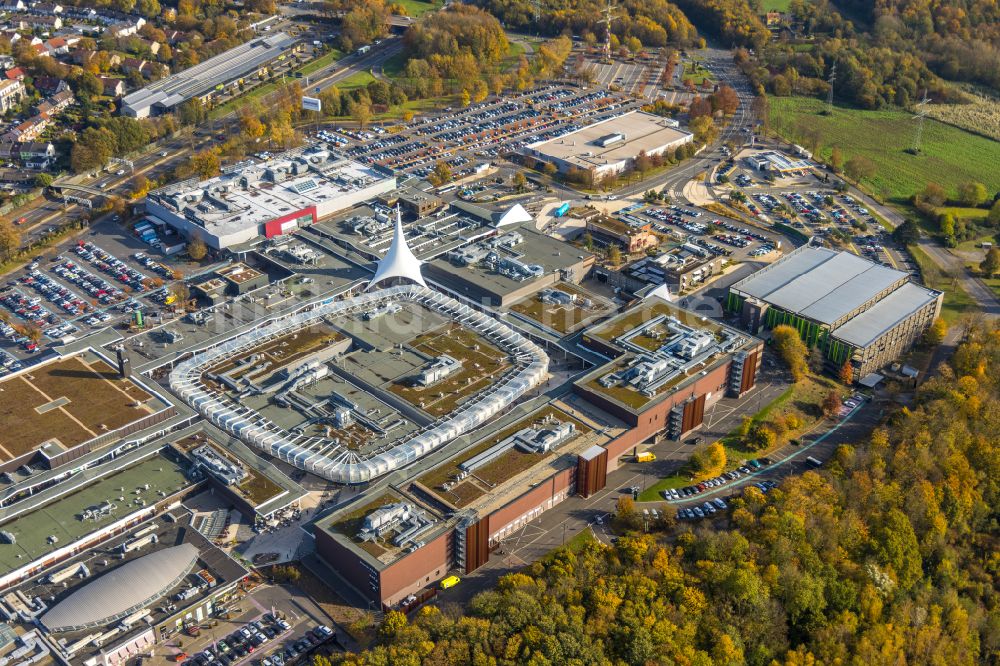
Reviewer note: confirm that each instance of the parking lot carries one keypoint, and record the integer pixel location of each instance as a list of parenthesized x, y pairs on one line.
[(714, 236), (98, 280), (272, 626), (825, 213), (480, 132)]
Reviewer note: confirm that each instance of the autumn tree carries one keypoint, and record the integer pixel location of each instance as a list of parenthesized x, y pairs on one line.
[(10, 239), (972, 193), (934, 194), (519, 182), (440, 174), (993, 217), (760, 437), (832, 404), (725, 100), (990, 266), (197, 249), (708, 462), (205, 164), (846, 374), (859, 168), (936, 332), (790, 348), (361, 113), (704, 129), (836, 158)]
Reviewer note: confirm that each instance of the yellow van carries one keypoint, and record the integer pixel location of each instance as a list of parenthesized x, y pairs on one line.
[(450, 581), (645, 456)]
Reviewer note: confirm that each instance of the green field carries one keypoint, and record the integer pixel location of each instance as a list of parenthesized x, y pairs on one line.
[(356, 80), (949, 157), (416, 8), (957, 303), (697, 73), (961, 213), (774, 5), (326, 59)]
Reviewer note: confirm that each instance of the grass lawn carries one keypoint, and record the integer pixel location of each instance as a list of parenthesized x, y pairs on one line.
[(356, 80), (957, 303), (949, 156), (394, 65), (774, 5), (576, 544), (514, 52), (993, 284), (326, 59), (975, 243), (417, 8), (652, 493), (961, 213), (804, 398), (697, 73)]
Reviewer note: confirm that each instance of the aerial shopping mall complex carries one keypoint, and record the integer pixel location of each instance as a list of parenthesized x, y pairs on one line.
[(390, 397)]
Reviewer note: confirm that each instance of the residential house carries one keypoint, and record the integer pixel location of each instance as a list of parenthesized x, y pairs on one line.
[(154, 47), (15, 74), (81, 13), (12, 6), (126, 28), (774, 18), (46, 8), (112, 87), (29, 130), (174, 36), (55, 103), (143, 67), (37, 154), (11, 93), (49, 85), (33, 22)]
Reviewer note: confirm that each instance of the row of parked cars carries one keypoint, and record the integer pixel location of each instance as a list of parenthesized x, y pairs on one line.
[(716, 482), (112, 265), (63, 297), (11, 334), (252, 637), (95, 286), (153, 265), (28, 309), (717, 504), (8, 363)]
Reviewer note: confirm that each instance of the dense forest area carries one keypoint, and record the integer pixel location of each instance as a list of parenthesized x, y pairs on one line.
[(652, 22), (887, 556), (886, 53), (959, 40)]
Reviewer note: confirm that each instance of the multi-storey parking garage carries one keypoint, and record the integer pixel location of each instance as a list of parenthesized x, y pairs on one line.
[(329, 457)]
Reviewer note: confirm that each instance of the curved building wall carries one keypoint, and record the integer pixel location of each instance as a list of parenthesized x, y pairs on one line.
[(341, 465)]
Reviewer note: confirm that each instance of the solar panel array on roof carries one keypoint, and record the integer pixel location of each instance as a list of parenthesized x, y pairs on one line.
[(821, 284)]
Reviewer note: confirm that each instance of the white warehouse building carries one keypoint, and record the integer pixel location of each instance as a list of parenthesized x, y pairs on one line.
[(612, 145), (268, 199)]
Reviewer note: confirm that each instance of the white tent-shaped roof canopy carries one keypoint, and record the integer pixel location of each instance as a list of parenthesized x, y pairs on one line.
[(516, 214), (663, 291), (399, 261)]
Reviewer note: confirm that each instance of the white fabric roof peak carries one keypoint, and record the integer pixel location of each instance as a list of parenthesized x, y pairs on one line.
[(399, 261)]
